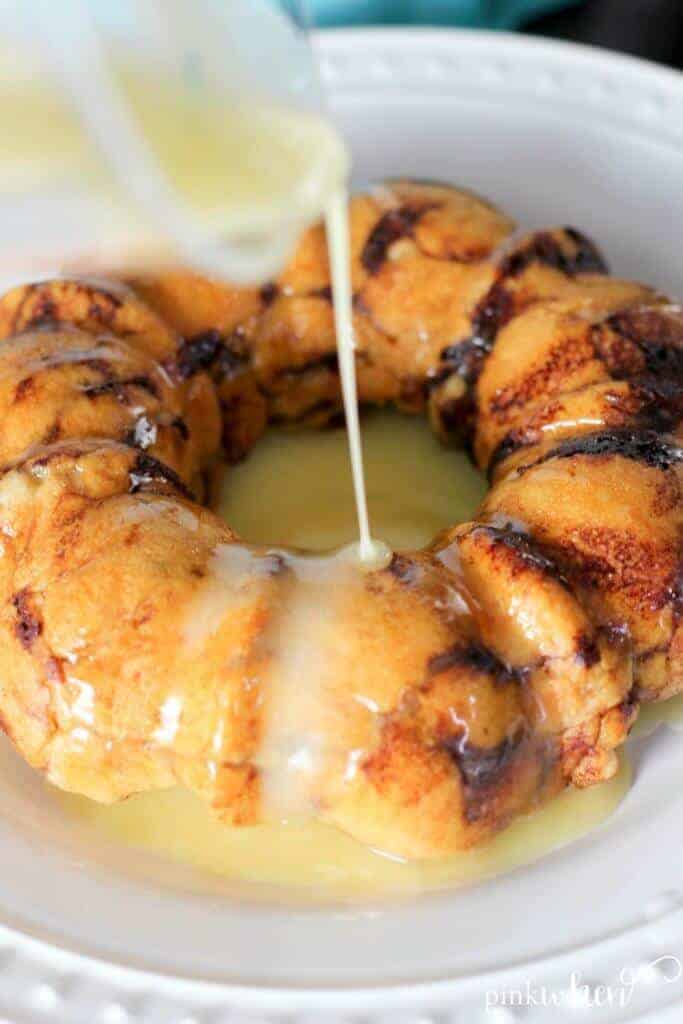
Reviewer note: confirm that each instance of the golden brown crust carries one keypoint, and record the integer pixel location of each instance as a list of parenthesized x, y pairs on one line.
[(493, 668)]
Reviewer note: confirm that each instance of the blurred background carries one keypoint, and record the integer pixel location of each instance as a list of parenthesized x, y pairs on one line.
[(645, 28)]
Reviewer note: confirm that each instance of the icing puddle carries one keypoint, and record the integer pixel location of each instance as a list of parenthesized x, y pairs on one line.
[(176, 825), (669, 712)]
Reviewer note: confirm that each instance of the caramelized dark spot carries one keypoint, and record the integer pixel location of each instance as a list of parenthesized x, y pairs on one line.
[(657, 337), (646, 446), (198, 353), (336, 421), (403, 569), (28, 626), (587, 258), (18, 321), (649, 403), (113, 300), (179, 424), (233, 357), (465, 358), (148, 470), (587, 651), (269, 293), (525, 548), (456, 416), (119, 387), (581, 256), (103, 306), (323, 293), (44, 311), (661, 403), (482, 767), (491, 314), (394, 224), (475, 657), (513, 442)]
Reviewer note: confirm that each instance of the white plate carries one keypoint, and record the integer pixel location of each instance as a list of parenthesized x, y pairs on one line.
[(554, 133)]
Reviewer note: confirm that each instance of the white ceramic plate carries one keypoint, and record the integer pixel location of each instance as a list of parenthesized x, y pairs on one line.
[(555, 134)]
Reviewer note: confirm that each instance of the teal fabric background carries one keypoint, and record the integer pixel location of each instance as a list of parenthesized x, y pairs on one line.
[(499, 14)]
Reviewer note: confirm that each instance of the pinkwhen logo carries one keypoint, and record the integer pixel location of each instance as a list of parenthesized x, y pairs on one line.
[(579, 994)]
